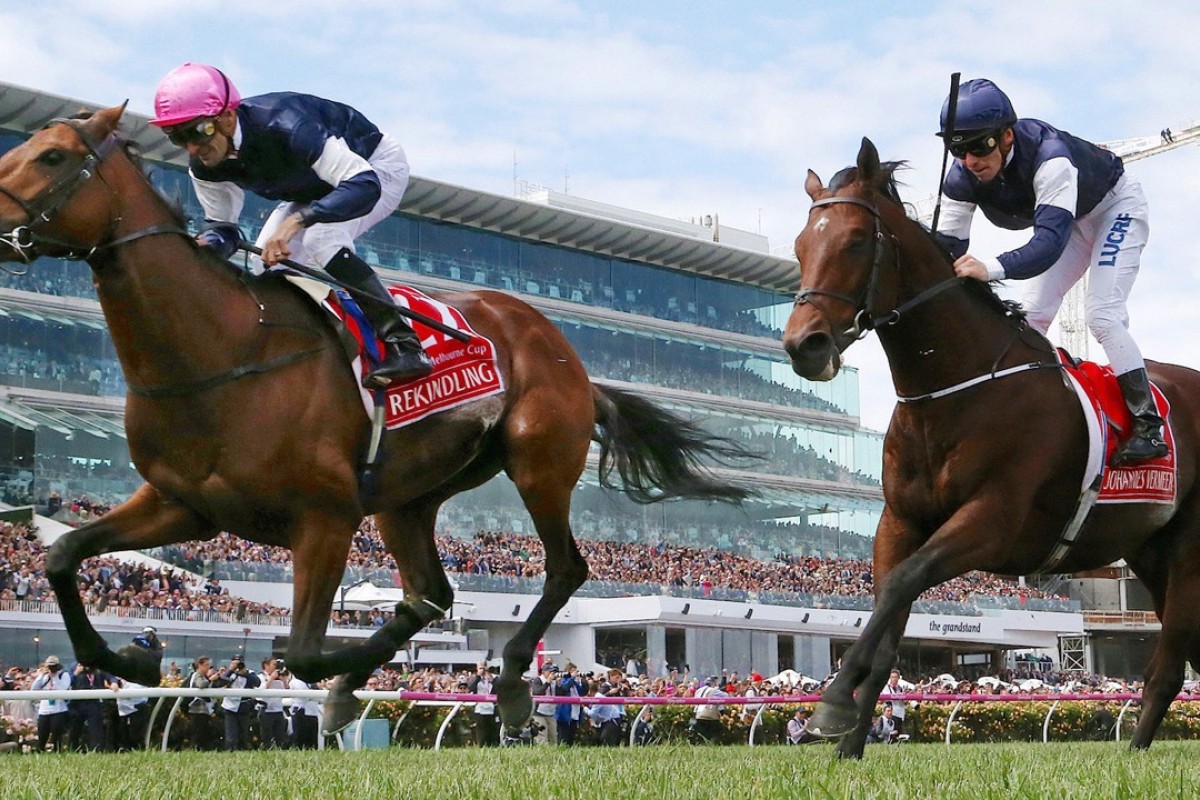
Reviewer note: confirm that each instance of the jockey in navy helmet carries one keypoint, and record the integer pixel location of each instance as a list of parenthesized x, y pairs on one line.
[(335, 173), (1086, 214)]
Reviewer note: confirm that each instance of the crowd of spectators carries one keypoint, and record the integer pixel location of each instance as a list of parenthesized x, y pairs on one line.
[(720, 380), (512, 555), (122, 588)]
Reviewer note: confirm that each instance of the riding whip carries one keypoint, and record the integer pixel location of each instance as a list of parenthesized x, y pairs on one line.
[(316, 274), (951, 113)]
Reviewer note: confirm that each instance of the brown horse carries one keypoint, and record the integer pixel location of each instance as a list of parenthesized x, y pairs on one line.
[(982, 478), (246, 418)]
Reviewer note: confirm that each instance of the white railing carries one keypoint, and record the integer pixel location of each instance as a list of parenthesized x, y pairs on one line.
[(455, 701)]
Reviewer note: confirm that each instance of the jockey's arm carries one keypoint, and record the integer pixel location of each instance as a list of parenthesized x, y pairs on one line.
[(1056, 193), (222, 202)]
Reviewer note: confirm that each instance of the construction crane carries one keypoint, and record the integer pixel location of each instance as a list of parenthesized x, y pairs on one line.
[(1072, 328)]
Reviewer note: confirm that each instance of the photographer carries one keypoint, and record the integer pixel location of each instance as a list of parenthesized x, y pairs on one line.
[(52, 714), (237, 709), (199, 710), (608, 718), (271, 721), (568, 685), (87, 717)]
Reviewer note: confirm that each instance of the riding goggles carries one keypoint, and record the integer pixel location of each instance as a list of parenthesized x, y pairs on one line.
[(980, 146), (197, 132)]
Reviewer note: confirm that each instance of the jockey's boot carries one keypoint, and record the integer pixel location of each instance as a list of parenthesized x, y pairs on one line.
[(1146, 442), (403, 358)]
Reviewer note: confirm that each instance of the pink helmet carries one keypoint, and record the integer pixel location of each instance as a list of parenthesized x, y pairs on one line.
[(190, 91)]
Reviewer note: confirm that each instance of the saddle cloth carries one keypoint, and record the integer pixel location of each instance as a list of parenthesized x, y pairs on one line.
[(462, 372), (1109, 421)]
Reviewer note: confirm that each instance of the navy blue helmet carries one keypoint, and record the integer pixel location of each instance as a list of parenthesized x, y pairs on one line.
[(982, 108)]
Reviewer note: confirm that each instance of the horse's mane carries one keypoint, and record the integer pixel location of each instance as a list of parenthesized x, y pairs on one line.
[(173, 205), (888, 188)]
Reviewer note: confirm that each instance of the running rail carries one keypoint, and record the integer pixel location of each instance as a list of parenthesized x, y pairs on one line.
[(456, 701)]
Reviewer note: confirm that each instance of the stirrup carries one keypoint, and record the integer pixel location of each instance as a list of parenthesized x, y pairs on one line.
[(1138, 450), (401, 365)]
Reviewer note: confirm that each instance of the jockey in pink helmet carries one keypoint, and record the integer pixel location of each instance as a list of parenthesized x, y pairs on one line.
[(192, 91), (333, 171)]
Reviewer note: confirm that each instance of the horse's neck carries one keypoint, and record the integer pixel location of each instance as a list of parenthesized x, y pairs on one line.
[(949, 338), (166, 308)]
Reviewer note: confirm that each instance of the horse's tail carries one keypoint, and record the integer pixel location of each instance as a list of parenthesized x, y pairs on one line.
[(658, 454)]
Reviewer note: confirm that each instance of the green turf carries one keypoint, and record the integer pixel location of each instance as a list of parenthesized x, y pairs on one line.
[(1100, 771)]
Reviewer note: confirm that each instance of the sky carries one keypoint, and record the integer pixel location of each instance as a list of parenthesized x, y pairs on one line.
[(682, 109)]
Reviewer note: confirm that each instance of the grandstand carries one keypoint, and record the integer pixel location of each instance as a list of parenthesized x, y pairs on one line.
[(687, 314)]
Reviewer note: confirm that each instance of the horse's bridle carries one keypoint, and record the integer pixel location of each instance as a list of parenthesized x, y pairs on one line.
[(41, 209), (864, 321)]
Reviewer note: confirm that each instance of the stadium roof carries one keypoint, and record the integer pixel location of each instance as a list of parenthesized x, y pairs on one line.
[(26, 110)]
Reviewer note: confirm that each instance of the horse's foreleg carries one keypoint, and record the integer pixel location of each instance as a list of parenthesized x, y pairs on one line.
[(852, 744), (428, 596), (320, 543), (1176, 595), (147, 519), (901, 579)]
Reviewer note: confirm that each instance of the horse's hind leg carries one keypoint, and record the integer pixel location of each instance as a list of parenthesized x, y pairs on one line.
[(147, 519), (545, 463), (408, 534)]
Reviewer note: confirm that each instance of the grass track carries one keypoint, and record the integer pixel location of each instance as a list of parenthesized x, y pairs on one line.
[(1099, 771)]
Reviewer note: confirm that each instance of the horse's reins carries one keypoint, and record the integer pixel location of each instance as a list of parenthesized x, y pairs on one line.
[(865, 321), (41, 210)]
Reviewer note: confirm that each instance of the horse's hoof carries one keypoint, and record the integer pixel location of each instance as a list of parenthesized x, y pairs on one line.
[(832, 722), (139, 665), (516, 706), (341, 708)]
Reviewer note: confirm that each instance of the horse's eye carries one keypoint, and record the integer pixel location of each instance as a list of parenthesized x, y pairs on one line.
[(52, 158)]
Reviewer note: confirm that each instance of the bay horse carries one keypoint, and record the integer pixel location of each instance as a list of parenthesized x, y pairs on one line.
[(246, 418), (987, 474)]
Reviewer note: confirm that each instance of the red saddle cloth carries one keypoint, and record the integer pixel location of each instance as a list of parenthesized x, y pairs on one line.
[(1148, 482), (462, 372)]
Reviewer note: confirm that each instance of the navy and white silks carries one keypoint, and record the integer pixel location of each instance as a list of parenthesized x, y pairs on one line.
[(318, 157), (1086, 214)]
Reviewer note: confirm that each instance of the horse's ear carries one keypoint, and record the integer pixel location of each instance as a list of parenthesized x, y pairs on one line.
[(813, 185), (868, 162), (104, 122)]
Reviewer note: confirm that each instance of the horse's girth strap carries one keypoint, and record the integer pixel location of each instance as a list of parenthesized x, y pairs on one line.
[(223, 377)]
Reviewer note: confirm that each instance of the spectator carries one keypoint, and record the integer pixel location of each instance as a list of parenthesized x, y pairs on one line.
[(797, 728), (487, 724), (237, 709), (707, 722), (893, 687), (544, 713), (883, 727), (133, 714), (201, 731), (306, 714)]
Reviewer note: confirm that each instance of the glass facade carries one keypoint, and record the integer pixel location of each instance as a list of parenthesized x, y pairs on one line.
[(729, 384)]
